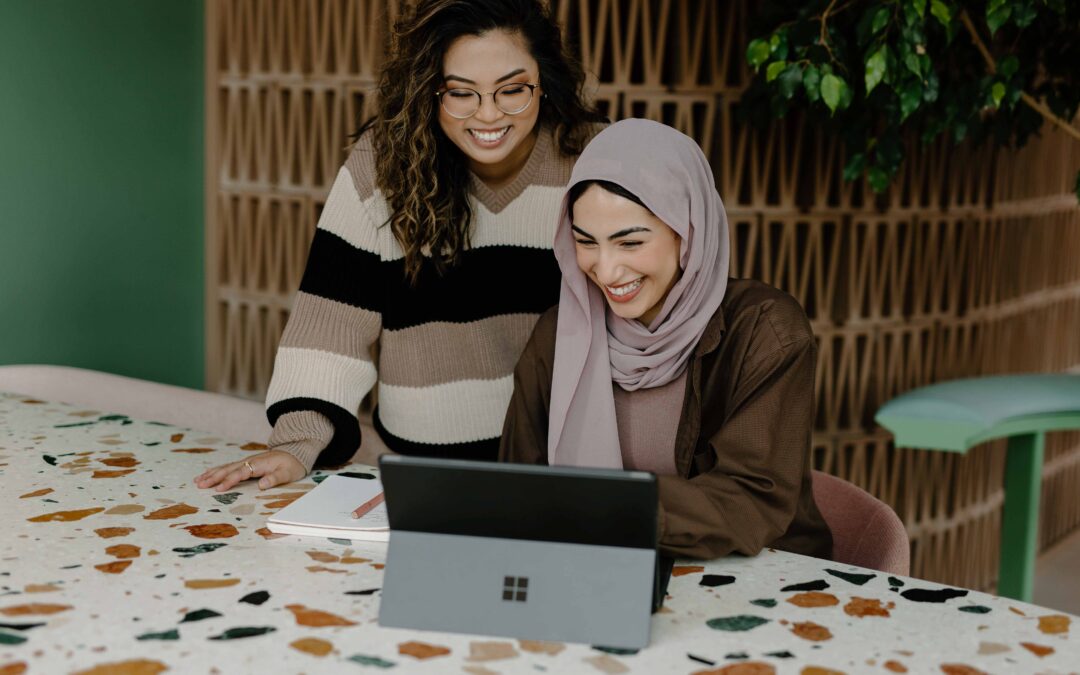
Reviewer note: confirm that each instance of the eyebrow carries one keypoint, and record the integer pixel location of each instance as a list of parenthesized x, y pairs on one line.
[(466, 80), (613, 237)]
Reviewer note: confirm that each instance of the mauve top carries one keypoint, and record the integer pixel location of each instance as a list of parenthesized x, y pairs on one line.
[(648, 420)]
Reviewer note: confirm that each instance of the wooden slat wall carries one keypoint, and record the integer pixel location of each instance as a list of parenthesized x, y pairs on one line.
[(968, 266)]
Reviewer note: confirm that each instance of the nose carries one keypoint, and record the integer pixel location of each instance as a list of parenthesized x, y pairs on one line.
[(607, 268), (488, 111)]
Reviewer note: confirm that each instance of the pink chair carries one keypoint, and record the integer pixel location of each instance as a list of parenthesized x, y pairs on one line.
[(866, 532)]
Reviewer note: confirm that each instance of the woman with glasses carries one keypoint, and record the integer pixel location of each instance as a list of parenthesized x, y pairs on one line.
[(433, 248)]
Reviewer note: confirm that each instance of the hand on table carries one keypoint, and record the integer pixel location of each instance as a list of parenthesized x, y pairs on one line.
[(272, 468)]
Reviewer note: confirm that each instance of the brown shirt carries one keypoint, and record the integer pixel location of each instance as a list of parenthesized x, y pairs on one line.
[(742, 450)]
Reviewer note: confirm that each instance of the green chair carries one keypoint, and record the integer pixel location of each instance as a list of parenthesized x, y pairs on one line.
[(954, 416)]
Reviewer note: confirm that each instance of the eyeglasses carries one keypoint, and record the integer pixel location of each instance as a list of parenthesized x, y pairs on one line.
[(511, 99)]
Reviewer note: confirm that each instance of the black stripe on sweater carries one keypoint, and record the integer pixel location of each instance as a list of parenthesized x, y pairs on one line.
[(488, 282), (346, 427), (337, 270), (486, 450)]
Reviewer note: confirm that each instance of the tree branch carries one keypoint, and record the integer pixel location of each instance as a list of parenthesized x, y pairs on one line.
[(1027, 98)]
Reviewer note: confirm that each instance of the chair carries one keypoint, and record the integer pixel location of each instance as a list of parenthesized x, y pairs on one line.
[(865, 531), (228, 416)]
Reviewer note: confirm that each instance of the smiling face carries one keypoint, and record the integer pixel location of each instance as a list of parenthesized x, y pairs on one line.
[(627, 251), (495, 144)]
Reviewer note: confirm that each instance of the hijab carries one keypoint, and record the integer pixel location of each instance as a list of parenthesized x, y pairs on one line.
[(669, 173)]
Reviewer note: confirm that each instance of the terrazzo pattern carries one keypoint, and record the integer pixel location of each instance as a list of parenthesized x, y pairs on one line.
[(113, 562)]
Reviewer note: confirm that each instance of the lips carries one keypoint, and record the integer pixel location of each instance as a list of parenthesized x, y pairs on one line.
[(624, 292), (488, 137)]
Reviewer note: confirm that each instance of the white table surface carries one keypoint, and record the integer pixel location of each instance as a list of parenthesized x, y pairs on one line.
[(111, 561)]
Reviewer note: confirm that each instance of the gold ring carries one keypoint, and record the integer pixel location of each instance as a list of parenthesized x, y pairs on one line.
[(251, 472)]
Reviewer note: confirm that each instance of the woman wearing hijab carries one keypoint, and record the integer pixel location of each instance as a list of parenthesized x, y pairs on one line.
[(654, 360)]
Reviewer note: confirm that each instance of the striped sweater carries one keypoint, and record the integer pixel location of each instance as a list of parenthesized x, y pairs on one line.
[(446, 348)]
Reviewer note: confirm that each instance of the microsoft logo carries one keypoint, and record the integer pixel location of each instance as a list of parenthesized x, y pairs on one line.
[(515, 589)]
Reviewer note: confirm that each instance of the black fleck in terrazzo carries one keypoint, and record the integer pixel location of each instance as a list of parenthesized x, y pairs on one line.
[(102, 531)]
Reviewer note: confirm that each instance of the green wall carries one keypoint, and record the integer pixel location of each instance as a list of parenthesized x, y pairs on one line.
[(101, 186)]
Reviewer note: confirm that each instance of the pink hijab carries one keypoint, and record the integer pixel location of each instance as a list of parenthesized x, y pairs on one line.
[(594, 347)]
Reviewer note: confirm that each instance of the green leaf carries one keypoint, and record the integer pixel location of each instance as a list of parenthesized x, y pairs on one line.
[(790, 80), (854, 167), (875, 68), (830, 90), (812, 83), (910, 98), (996, 15), (1024, 15), (881, 19), (879, 179), (1008, 66), (912, 63), (997, 92), (941, 12), (920, 7), (774, 70), (757, 53)]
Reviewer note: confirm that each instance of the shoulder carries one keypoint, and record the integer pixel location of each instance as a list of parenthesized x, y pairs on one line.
[(773, 319), (360, 165), (543, 335)]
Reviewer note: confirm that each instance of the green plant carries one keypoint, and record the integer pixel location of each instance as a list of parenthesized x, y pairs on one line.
[(877, 70)]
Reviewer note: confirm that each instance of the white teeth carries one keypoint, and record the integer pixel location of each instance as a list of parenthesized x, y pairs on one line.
[(623, 290), (489, 137)]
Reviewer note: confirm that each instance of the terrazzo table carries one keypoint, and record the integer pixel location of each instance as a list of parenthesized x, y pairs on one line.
[(111, 561)]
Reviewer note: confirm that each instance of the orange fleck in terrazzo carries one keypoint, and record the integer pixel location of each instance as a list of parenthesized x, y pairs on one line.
[(34, 609), (313, 646), (745, 668), (41, 588), (213, 531), (315, 618), (322, 556), (254, 446), (123, 462), (421, 650), (194, 451), (320, 568), (538, 647), (112, 474), (353, 561), (65, 516), (36, 493), (176, 438), (680, 570), (267, 534), (808, 630), (125, 510), (814, 599), (607, 664), (960, 669), (174, 511), (130, 667), (1052, 624), (862, 607), (110, 532), (1037, 650), (13, 668), (491, 651), (895, 667), (115, 567), (818, 670), (210, 583), (124, 551)]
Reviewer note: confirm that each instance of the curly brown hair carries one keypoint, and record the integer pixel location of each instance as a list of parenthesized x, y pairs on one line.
[(423, 175)]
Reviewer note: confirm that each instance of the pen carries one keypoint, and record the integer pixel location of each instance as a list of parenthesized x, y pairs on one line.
[(367, 506)]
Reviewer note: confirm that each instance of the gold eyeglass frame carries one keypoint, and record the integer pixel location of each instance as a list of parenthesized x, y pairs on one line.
[(480, 98)]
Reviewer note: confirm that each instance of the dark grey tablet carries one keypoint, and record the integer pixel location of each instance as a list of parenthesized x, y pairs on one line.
[(534, 552)]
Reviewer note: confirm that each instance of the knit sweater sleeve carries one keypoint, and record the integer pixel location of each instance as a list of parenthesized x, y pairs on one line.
[(324, 360)]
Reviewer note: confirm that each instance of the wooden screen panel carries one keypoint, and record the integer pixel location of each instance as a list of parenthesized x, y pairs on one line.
[(965, 267)]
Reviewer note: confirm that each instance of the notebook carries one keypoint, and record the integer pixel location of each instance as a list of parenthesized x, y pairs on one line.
[(326, 511)]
